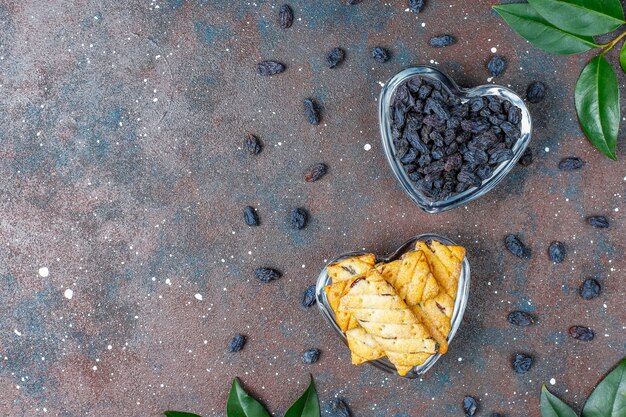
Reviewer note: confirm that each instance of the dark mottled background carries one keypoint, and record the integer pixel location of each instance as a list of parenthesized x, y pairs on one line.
[(121, 172)]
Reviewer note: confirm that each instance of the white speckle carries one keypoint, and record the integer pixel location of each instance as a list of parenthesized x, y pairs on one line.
[(423, 24), (367, 147), (95, 368), (17, 332), (460, 359), (547, 149), (168, 282), (44, 272), (494, 50), (109, 347), (198, 297), (68, 293), (552, 381), (382, 84)]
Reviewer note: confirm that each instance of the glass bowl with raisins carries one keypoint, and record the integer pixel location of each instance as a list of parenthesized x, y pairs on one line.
[(449, 145)]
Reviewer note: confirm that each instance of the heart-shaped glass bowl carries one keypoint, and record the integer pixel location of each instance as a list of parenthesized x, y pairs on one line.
[(459, 304), (455, 200)]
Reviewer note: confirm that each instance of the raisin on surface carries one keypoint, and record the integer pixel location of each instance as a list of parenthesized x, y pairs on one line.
[(527, 158), (285, 16), (522, 363), (236, 343), (442, 40), (516, 246), (267, 68), (600, 222), (339, 408), (590, 288), (312, 111), (252, 144), (299, 218), (556, 252), (416, 6), (315, 172), (352, 2), (335, 57), (266, 274), (250, 216), (536, 92), (582, 333), (571, 164), (496, 65), (311, 356), (380, 54), (520, 318), (470, 405), (308, 297)]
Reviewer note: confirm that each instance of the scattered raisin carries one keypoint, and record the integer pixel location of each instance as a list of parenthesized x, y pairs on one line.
[(266, 274), (351, 2), (590, 288), (236, 343), (536, 92), (299, 217), (252, 144), (267, 68), (311, 356), (470, 405), (380, 54), (520, 318), (527, 157), (571, 164), (496, 65), (522, 363), (315, 172), (335, 57), (600, 222), (312, 111), (442, 40), (416, 6), (556, 252), (250, 216), (285, 16), (582, 333), (339, 408), (496, 415), (516, 246), (308, 297)]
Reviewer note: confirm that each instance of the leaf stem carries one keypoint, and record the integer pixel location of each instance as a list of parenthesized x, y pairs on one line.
[(607, 46)]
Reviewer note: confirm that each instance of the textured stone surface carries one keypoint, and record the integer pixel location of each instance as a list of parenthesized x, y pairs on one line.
[(121, 171)]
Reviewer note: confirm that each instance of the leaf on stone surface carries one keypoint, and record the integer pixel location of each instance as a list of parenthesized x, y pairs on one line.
[(529, 24), (582, 17), (171, 413), (240, 404), (307, 405), (597, 105), (608, 399), (552, 406), (622, 57)]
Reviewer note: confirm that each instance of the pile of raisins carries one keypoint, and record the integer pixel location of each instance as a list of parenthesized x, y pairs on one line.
[(447, 145)]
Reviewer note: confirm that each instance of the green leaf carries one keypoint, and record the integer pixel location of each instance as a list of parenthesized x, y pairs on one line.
[(608, 399), (583, 17), (552, 406), (240, 404), (597, 104), (622, 57), (179, 414), (307, 405), (529, 24)]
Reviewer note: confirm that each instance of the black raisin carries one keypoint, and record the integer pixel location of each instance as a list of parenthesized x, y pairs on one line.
[(442, 40), (252, 144), (352, 2), (520, 318), (590, 288), (312, 111), (266, 274), (315, 172), (516, 247), (236, 343), (250, 216), (308, 297), (267, 68), (582, 333), (514, 115), (335, 57), (285, 16), (496, 65), (536, 91), (522, 363), (556, 252), (470, 405), (500, 156), (380, 54), (311, 356), (600, 222), (484, 172), (496, 415), (416, 6), (299, 218), (527, 157), (571, 164), (339, 408), (469, 177)]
